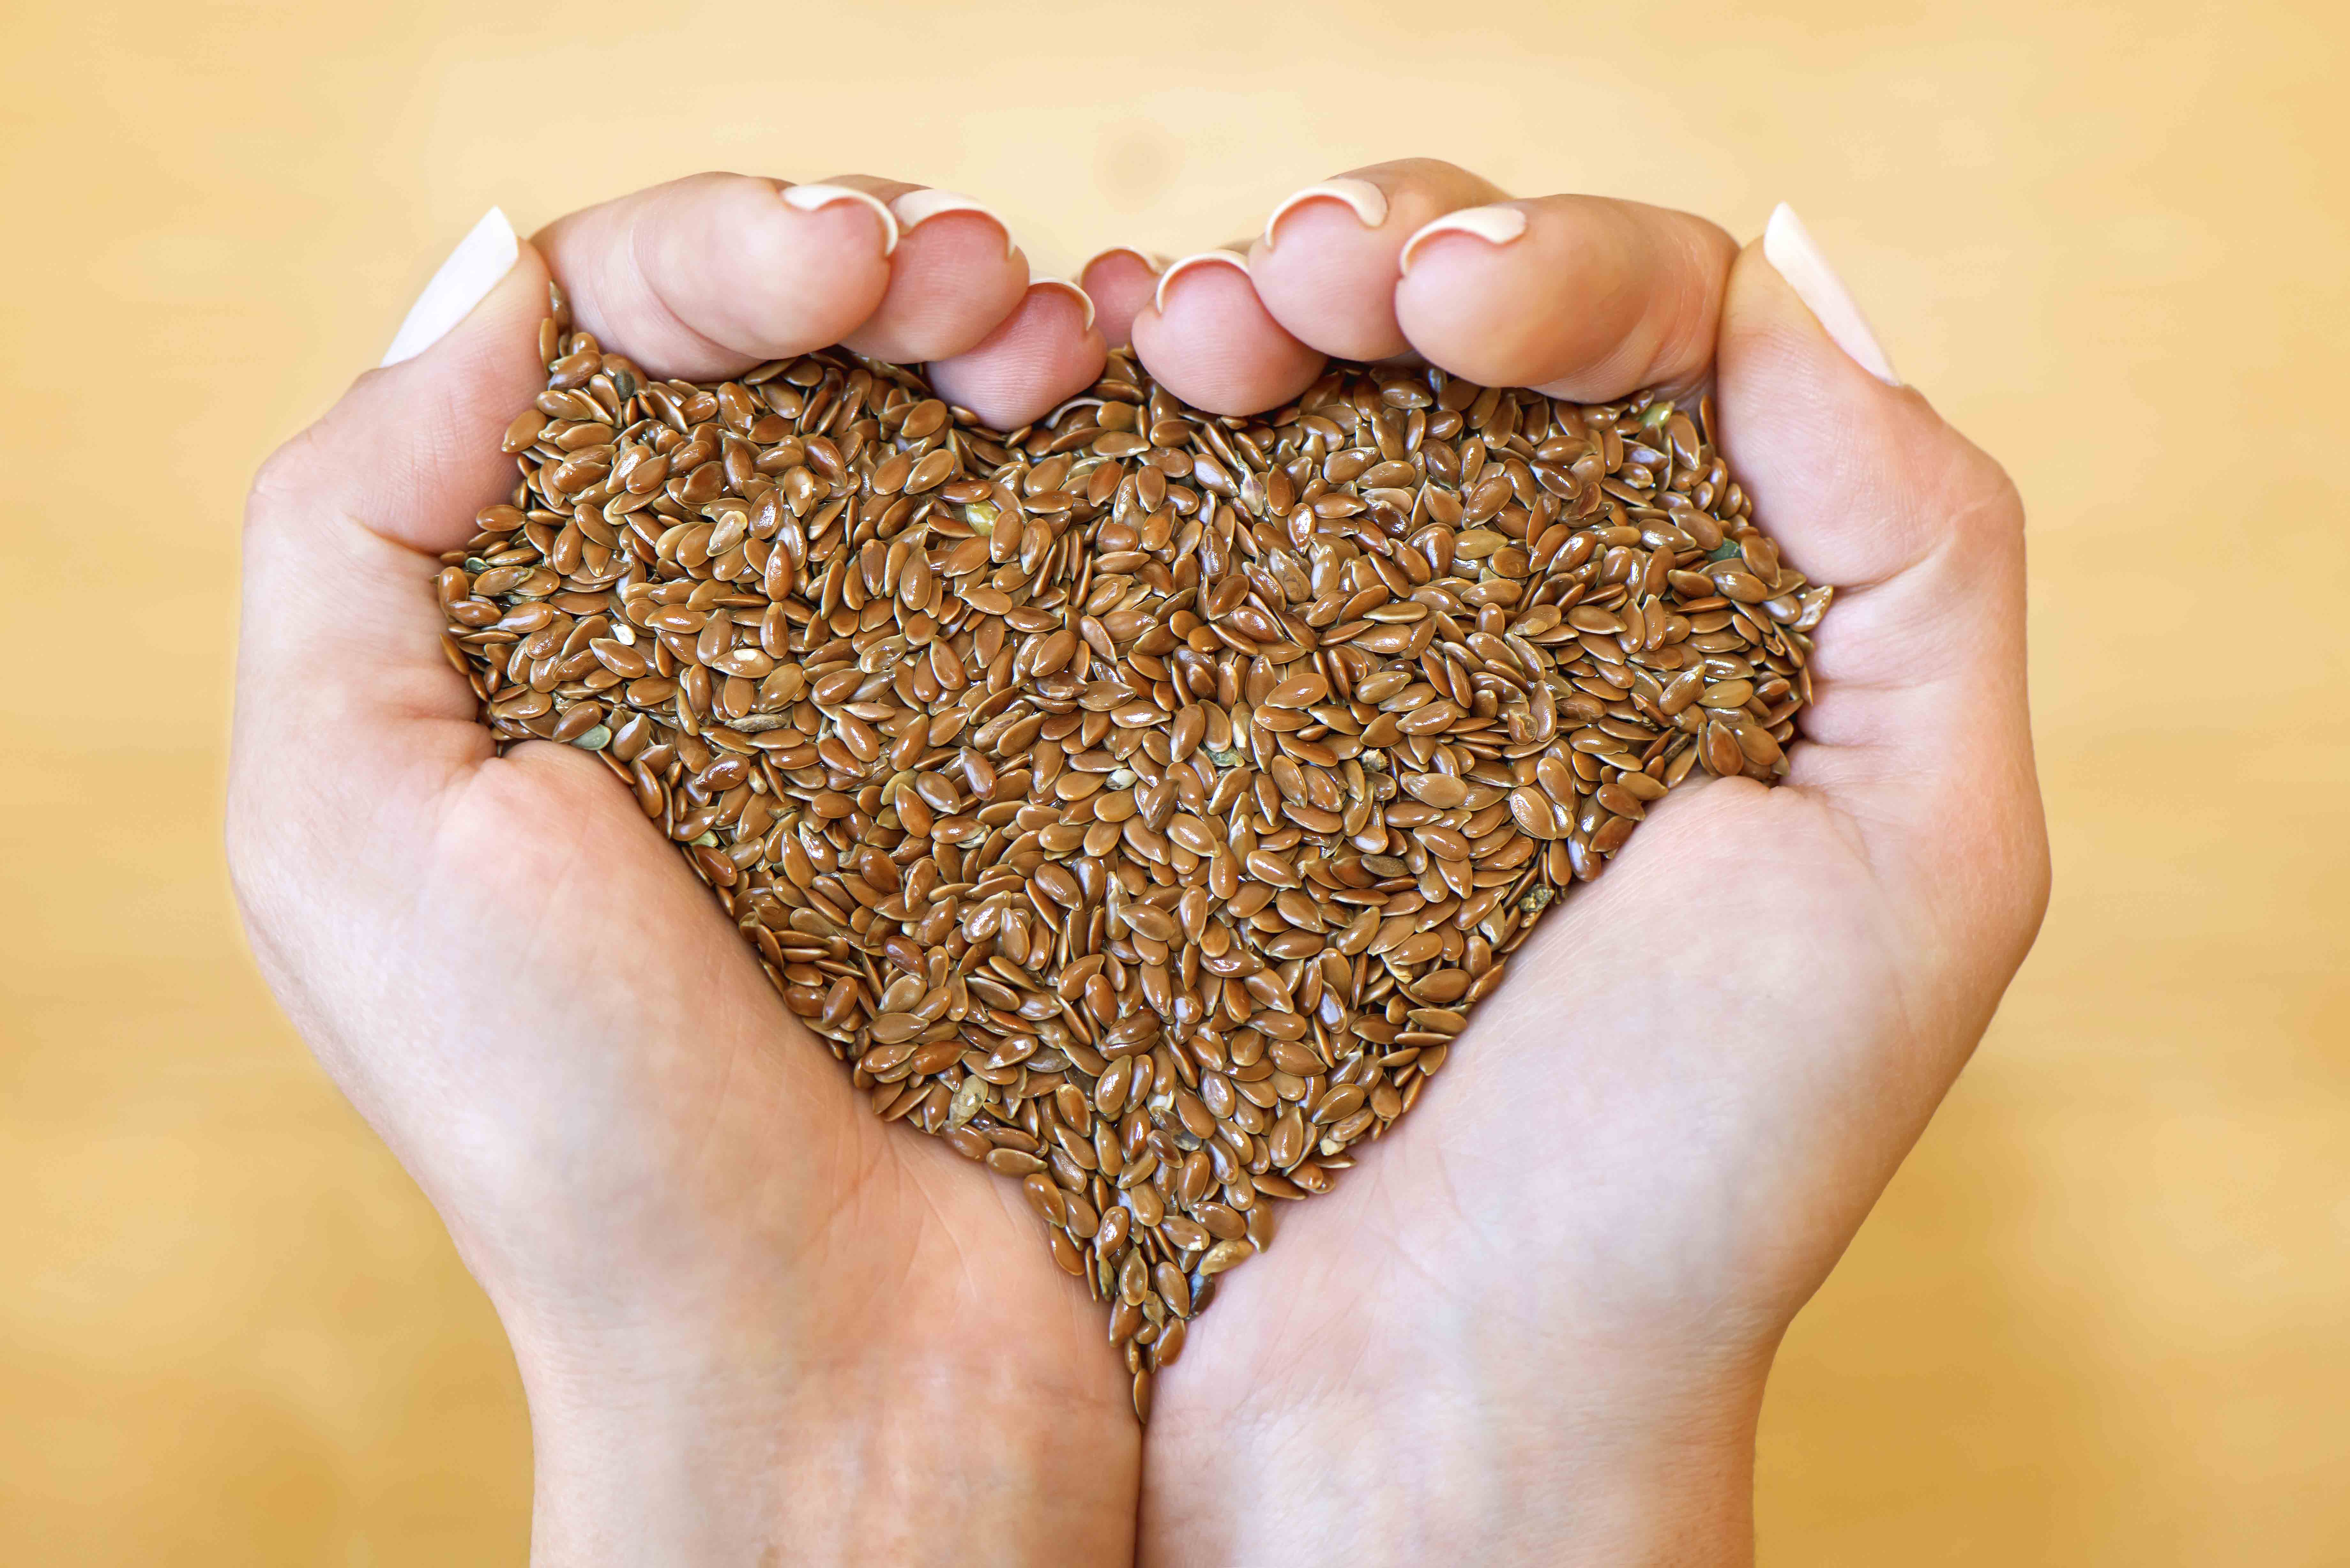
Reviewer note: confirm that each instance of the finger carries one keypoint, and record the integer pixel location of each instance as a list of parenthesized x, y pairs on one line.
[(1581, 297), (1046, 351), (339, 659), (709, 276), (1207, 337), (1920, 714), (1120, 282), (1327, 262), (411, 451), (953, 279)]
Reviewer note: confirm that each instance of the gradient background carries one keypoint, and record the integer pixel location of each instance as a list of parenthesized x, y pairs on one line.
[(2104, 1314)]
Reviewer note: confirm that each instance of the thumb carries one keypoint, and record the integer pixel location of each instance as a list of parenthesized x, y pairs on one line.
[(340, 676), (1920, 728), (410, 451)]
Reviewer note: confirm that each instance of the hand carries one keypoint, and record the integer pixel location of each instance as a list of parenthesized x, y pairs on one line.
[(752, 1321), (1534, 1326)]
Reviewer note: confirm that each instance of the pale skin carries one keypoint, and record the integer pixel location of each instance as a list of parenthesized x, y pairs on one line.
[(1534, 1326)]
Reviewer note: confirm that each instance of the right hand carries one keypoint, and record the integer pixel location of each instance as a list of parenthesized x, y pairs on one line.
[(1533, 1326)]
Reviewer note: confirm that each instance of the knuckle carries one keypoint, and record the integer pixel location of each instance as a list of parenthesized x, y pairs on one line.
[(286, 479), (246, 846), (2031, 878), (1980, 476), (1999, 487), (1692, 317), (1712, 248), (1985, 495), (1955, 479), (239, 846)]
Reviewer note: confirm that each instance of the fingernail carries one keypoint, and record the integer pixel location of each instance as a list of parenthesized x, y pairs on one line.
[(1368, 203), (1197, 258), (485, 256), (1151, 261), (1081, 296), (916, 207), (1495, 226), (1788, 246), (816, 198)]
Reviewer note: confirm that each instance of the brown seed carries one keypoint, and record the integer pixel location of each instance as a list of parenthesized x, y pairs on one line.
[(1439, 790), (1531, 810), (1298, 691), (1173, 1289), (1226, 1255), (1128, 817)]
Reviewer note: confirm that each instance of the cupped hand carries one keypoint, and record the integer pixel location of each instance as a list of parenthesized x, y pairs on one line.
[(1533, 1326), (754, 1323)]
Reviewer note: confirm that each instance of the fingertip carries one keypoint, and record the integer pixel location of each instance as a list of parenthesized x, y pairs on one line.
[(1860, 479), (1210, 341), (919, 206), (1327, 263), (1329, 278), (1046, 351), (411, 451), (820, 195), (1792, 252), (1578, 296), (710, 274), (1074, 292), (486, 254), (1120, 282), (956, 274), (1366, 200), (1495, 225), (1185, 265)]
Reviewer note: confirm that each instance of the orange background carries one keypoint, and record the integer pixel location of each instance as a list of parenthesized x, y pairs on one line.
[(2104, 1314)]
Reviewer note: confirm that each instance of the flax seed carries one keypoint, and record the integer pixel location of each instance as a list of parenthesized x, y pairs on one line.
[(1139, 801)]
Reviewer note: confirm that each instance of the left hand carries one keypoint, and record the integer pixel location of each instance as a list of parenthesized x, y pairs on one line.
[(753, 1322), (1533, 1326)]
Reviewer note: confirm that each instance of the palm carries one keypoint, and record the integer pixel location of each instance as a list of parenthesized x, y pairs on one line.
[(682, 1124), (1618, 1137)]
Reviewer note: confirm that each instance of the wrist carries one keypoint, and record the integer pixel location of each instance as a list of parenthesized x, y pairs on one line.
[(1598, 1455), (831, 1454), (631, 1463)]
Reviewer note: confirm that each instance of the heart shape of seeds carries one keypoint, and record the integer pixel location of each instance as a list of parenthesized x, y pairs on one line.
[(1141, 800)]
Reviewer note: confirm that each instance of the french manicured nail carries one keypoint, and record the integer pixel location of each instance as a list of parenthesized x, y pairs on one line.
[(916, 208), (1495, 226), (1081, 297), (1788, 246), (1197, 259), (816, 198), (485, 256), (1365, 200), (1151, 261)]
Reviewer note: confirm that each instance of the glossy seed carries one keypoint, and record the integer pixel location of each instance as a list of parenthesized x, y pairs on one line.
[(1143, 806)]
